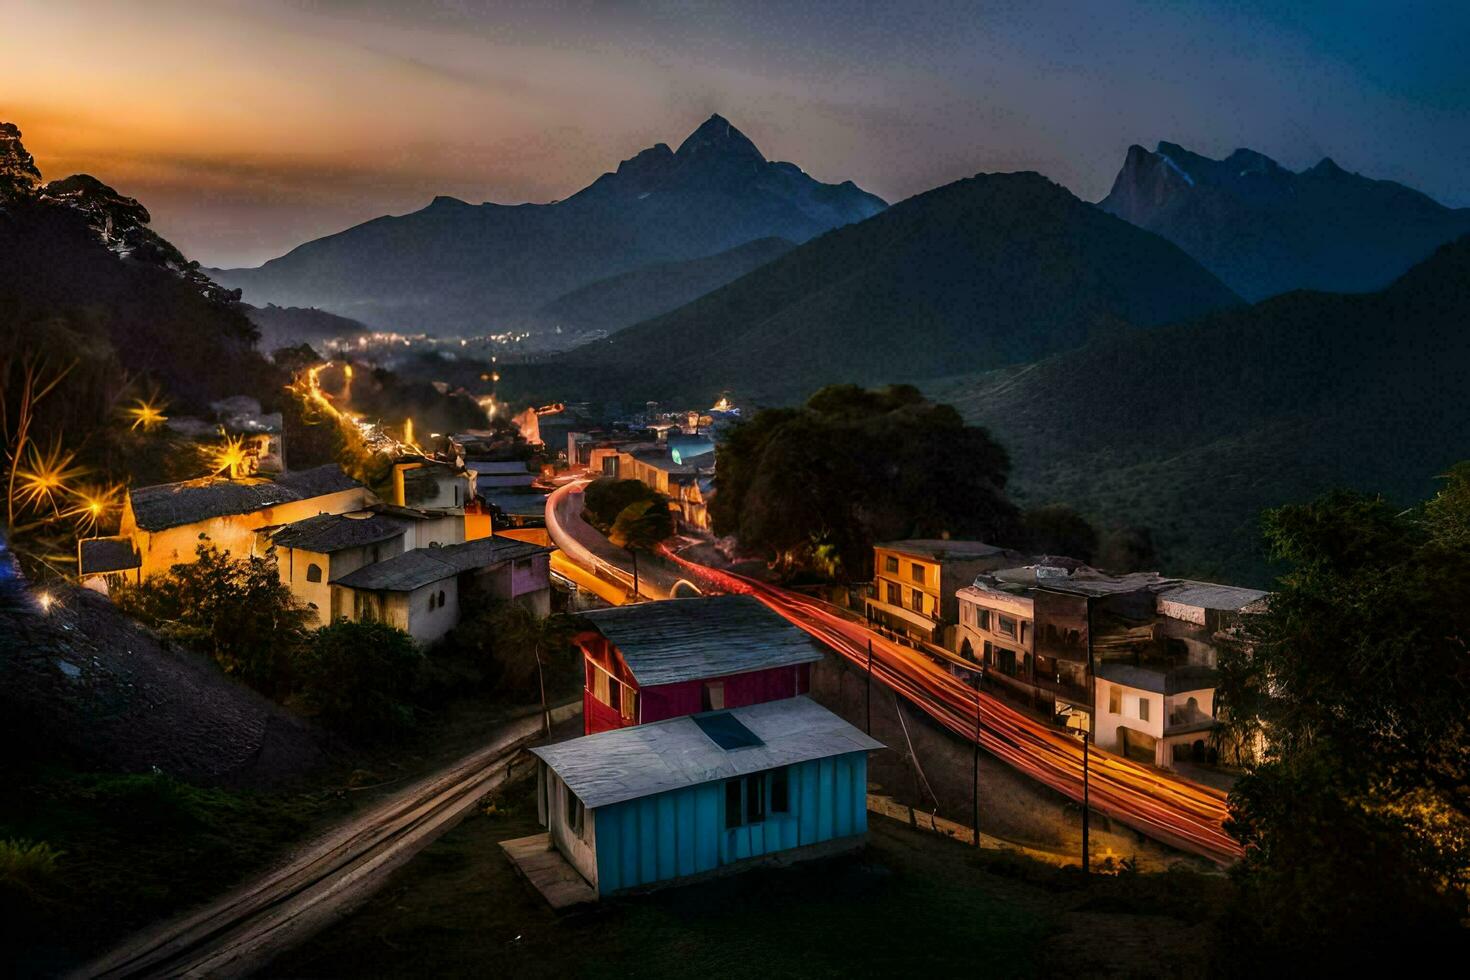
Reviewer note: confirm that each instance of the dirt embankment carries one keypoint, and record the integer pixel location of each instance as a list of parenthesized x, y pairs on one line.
[(83, 685)]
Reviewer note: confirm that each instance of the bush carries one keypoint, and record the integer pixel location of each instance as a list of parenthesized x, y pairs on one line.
[(360, 678), (605, 499), (501, 642)]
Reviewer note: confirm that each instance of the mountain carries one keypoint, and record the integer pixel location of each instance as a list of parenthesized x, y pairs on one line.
[(455, 266), (1192, 430), (632, 297), (1265, 230), (284, 326), (997, 269), (84, 278)]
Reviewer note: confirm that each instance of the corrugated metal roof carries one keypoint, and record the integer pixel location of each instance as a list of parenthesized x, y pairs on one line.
[(326, 533), (712, 636), (98, 555), (419, 567), (167, 505), (631, 763)]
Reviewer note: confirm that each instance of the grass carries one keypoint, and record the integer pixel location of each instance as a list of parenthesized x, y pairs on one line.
[(909, 903)]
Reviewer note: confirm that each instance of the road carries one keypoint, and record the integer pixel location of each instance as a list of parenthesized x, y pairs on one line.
[(1183, 814), (236, 934), (584, 545)]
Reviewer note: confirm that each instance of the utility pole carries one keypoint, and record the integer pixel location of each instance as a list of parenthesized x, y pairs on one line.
[(868, 697), (1087, 737), (975, 764)]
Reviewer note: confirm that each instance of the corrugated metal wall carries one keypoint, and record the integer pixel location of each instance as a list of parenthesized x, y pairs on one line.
[(683, 832)]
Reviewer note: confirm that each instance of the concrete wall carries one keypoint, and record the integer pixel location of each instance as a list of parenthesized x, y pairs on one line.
[(408, 611), (580, 851), (294, 566)]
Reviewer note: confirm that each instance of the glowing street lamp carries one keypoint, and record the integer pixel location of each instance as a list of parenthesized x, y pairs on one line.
[(146, 416)]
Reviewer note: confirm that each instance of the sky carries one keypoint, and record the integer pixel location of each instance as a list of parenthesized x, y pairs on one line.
[(250, 126)]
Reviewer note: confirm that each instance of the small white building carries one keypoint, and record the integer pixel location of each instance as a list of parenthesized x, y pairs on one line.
[(311, 553), (422, 591)]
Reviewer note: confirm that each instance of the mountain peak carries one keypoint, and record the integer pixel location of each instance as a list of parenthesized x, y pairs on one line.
[(19, 176), (716, 136)]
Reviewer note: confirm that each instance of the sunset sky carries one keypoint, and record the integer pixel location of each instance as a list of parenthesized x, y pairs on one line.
[(249, 127)]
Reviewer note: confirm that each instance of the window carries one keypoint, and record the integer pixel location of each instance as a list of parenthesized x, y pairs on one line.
[(1115, 701), (895, 595), (745, 800), (1007, 660), (615, 696), (712, 698), (574, 811), (441, 598), (313, 572), (984, 619), (916, 572), (1006, 625), (780, 791), (890, 564), (433, 602), (917, 598), (989, 654), (1025, 628), (522, 564), (1143, 709)]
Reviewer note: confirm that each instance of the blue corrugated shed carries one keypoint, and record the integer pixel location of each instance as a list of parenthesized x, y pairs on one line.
[(666, 800)]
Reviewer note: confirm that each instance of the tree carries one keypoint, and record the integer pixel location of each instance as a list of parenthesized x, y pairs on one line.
[(819, 484), (604, 499), (359, 677), (642, 526), (1356, 817), (1057, 529), (235, 609)]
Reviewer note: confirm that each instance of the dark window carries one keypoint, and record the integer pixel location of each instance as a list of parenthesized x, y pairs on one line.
[(313, 572), (895, 595), (1007, 660), (985, 619), (780, 791), (615, 696), (522, 564), (916, 572), (441, 598), (890, 564), (726, 731), (734, 812), (755, 798), (1006, 625), (574, 810), (432, 602)]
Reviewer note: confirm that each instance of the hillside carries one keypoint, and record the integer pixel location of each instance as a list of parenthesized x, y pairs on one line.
[(454, 266), (283, 326), (1193, 429), (619, 301), (997, 269), (1265, 230)]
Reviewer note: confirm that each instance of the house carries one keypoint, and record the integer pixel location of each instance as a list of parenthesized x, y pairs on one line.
[(312, 552), (914, 584), (491, 475), (167, 523), (651, 661), (421, 591), (691, 797), (103, 562), (432, 484), (1156, 698)]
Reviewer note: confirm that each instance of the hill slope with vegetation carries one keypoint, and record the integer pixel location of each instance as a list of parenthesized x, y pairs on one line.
[(1194, 429)]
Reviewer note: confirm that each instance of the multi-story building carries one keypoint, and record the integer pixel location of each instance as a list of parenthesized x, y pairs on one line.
[(915, 581)]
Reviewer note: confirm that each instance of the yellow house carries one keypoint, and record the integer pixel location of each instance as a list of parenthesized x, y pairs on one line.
[(914, 584), (168, 522)]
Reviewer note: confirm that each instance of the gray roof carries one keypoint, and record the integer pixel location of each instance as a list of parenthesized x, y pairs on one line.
[(419, 567), (631, 763), (942, 550), (1208, 595), (712, 636), (1159, 681), (498, 467), (98, 555), (318, 481), (519, 504), (326, 533), (169, 505)]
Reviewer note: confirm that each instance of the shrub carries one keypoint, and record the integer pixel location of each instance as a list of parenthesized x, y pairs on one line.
[(360, 677)]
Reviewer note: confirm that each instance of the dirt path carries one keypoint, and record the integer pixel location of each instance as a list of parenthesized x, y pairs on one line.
[(327, 879)]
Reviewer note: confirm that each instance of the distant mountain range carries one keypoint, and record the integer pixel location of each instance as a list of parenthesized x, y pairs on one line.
[(1265, 230), (997, 269), (1192, 430), (283, 326), (457, 267)]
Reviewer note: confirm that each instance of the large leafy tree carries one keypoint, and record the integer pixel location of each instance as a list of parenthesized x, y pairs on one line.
[(1356, 815), (817, 485), (642, 526), (360, 677)]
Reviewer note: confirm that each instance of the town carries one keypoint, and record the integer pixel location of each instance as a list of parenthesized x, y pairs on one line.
[(898, 524)]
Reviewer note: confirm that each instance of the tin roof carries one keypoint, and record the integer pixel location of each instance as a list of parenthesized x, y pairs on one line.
[(167, 505), (419, 567), (98, 555), (711, 636), (326, 533), (631, 763), (1208, 595)]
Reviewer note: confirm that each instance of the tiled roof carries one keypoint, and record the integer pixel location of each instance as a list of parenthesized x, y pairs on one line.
[(419, 567), (98, 555), (326, 533), (169, 505), (690, 639)]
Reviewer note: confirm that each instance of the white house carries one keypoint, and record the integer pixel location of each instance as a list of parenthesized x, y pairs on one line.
[(310, 553)]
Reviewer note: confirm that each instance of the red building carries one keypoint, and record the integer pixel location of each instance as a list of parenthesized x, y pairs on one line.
[(658, 660)]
